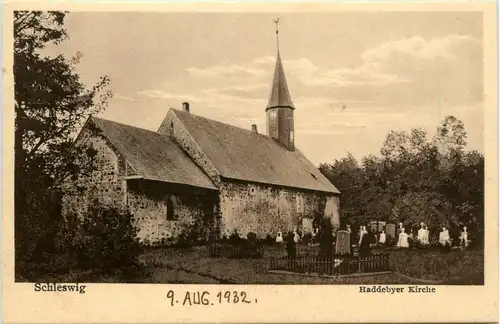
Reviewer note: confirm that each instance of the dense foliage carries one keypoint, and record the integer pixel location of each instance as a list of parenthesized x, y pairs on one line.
[(107, 239), (51, 103), (415, 179)]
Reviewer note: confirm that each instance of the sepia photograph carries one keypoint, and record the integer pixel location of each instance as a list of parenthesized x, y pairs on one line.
[(266, 147), (249, 148)]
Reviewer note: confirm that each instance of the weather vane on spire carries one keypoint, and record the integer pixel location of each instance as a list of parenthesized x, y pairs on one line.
[(277, 21)]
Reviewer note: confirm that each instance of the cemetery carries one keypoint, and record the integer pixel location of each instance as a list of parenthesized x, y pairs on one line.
[(345, 256), (376, 253), (364, 252)]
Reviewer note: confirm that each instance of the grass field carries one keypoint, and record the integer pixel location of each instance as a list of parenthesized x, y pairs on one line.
[(457, 267), (194, 266)]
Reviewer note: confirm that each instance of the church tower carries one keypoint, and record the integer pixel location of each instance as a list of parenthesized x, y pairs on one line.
[(279, 111)]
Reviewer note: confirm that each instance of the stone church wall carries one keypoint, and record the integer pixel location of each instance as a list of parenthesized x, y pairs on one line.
[(192, 213), (105, 183), (266, 209), (192, 208)]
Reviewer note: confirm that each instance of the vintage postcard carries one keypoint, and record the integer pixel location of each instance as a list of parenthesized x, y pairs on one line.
[(250, 162)]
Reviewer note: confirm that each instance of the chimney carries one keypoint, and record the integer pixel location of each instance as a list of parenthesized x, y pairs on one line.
[(185, 106), (254, 128)]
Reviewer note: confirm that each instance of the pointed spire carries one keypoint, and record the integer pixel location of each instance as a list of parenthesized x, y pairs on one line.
[(280, 97)]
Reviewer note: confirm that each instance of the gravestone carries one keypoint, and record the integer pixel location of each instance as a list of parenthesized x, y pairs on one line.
[(307, 226), (343, 244), (252, 237), (382, 237), (464, 237), (373, 227), (254, 249), (381, 226), (390, 230), (403, 239), (279, 238)]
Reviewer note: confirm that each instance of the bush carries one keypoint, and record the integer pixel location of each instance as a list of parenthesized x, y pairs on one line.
[(107, 239), (235, 236), (192, 233), (238, 247), (270, 240), (436, 264), (37, 222), (307, 238)]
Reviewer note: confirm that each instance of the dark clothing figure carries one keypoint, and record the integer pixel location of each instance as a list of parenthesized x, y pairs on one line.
[(374, 237), (291, 247), (353, 237), (364, 247), (326, 239)]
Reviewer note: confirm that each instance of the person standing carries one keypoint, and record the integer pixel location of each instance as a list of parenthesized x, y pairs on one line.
[(291, 246), (364, 246)]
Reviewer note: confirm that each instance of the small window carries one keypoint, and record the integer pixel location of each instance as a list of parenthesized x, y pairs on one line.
[(170, 208), (291, 136), (273, 113)]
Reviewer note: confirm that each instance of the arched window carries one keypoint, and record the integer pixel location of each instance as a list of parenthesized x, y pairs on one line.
[(170, 205)]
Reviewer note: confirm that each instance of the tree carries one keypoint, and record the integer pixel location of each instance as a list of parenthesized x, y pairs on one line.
[(347, 175), (429, 207), (50, 100), (51, 103), (437, 181), (395, 145), (451, 135)]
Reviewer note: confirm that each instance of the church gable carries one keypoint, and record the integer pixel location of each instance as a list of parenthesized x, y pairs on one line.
[(173, 127), (153, 156), (105, 181)]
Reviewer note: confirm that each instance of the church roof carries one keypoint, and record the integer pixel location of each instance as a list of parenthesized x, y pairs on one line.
[(153, 156), (280, 96), (244, 155)]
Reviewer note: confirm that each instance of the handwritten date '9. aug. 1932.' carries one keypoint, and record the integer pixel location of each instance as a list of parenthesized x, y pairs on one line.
[(204, 298)]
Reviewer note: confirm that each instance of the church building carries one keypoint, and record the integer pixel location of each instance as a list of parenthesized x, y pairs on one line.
[(198, 177)]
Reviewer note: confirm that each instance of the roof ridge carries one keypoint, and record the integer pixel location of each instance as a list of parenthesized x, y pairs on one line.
[(126, 125), (222, 123)]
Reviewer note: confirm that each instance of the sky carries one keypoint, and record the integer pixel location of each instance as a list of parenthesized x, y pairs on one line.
[(390, 70)]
